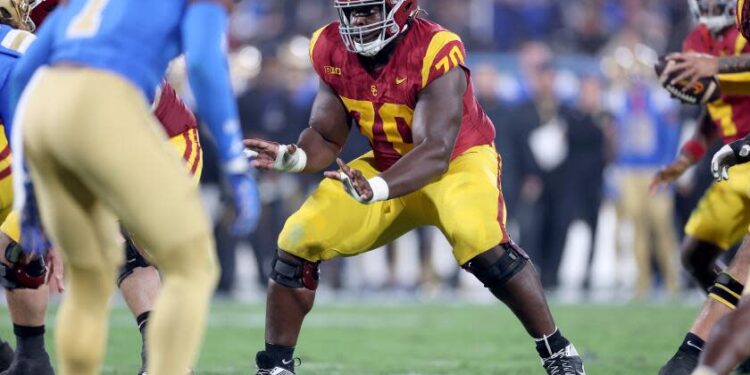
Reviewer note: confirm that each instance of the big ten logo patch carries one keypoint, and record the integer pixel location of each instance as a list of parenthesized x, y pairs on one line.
[(332, 70)]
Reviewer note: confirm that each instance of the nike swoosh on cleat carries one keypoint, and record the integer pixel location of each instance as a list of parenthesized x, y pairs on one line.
[(690, 343), (286, 363)]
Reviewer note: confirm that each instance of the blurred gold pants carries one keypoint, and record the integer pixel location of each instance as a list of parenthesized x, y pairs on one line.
[(97, 155)]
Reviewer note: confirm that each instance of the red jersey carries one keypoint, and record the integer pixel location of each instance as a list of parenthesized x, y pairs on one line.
[(731, 113), (173, 114), (383, 106)]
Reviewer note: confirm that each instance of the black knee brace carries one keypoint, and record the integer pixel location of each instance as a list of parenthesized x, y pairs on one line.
[(19, 274), (133, 260), (726, 290), (496, 275), (295, 273)]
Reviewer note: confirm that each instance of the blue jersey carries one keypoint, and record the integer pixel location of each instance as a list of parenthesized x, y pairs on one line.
[(136, 39), (133, 38), (13, 43)]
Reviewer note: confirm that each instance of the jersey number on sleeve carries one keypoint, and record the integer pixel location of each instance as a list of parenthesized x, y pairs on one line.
[(87, 22), (383, 123)]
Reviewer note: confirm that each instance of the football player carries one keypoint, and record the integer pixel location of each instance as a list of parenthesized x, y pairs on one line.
[(728, 342), (402, 81), (722, 216), (95, 155), (26, 287)]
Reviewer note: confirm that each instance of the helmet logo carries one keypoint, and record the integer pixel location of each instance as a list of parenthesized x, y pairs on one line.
[(394, 28)]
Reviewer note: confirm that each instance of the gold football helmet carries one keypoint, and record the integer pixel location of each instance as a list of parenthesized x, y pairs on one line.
[(17, 14)]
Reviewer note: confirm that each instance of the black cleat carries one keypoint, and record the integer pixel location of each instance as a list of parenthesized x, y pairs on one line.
[(266, 365), (681, 363), (565, 362), (6, 355), (30, 366), (743, 368)]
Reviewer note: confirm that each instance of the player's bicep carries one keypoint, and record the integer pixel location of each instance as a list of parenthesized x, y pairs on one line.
[(329, 117), (439, 110)]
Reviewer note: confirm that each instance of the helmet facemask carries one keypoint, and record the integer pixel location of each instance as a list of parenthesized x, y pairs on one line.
[(357, 38), (716, 15)]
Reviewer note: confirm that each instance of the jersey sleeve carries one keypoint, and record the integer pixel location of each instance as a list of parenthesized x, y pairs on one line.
[(320, 50), (173, 114), (444, 52), (696, 41)]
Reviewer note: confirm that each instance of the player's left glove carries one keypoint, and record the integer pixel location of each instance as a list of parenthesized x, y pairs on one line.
[(737, 152), (246, 201)]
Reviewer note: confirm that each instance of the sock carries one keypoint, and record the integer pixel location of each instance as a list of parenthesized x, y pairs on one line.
[(142, 321), (549, 345), (692, 345), (29, 340), (282, 355)]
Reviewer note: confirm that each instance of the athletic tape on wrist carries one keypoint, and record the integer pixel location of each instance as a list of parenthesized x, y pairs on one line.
[(379, 188), (290, 162)]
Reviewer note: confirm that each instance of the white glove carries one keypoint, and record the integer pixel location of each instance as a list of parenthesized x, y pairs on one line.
[(735, 153)]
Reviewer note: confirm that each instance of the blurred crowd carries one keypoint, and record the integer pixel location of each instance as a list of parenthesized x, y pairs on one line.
[(582, 126)]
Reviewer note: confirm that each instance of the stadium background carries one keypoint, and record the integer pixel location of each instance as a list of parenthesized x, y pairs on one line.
[(407, 309)]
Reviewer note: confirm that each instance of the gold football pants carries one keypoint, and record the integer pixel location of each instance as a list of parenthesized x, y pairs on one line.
[(97, 155)]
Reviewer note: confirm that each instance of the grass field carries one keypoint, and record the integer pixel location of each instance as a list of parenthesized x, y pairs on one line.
[(369, 339)]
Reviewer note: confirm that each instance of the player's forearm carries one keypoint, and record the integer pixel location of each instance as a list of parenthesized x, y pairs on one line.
[(734, 64), (204, 30), (320, 152), (422, 165)]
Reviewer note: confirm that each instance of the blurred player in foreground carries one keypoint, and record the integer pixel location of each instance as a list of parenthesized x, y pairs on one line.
[(402, 80), (96, 155), (722, 216), (729, 341)]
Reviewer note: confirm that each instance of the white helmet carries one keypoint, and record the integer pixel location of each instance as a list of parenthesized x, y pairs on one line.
[(714, 14), (396, 16)]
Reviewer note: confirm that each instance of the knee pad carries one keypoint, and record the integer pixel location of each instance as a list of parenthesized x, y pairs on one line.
[(726, 290), (18, 274), (295, 273), (133, 260), (495, 276)]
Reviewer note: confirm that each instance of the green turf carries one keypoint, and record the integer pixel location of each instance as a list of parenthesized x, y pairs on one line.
[(369, 339)]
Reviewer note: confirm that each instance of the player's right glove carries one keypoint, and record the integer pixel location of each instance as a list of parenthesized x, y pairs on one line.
[(246, 201), (737, 152)]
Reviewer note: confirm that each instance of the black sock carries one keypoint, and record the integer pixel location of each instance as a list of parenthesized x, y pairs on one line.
[(282, 355), (142, 321), (29, 340), (549, 345), (692, 345)]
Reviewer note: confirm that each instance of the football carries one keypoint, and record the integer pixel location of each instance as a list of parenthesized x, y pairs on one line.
[(705, 90)]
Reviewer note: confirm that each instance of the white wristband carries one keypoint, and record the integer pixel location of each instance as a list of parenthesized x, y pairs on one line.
[(379, 188), (290, 162)]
